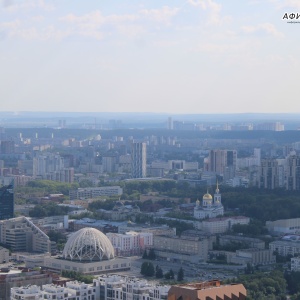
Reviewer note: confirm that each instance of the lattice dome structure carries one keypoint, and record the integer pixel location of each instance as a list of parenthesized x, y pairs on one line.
[(88, 244)]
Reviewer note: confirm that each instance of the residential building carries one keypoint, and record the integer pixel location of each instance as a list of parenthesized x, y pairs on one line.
[(7, 202), (109, 164), (130, 243), (287, 245), (105, 287), (51, 167), (221, 162), (7, 147), (138, 159), (212, 290), (71, 291), (30, 292), (273, 126), (295, 264), (293, 172), (268, 174), (87, 193), (116, 287), (24, 277)]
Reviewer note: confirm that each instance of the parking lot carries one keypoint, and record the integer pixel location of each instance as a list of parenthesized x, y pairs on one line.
[(192, 273)]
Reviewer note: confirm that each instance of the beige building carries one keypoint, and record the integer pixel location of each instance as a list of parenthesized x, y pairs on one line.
[(253, 256), (211, 290), (285, 247), (21, 278), (250, 242), (284, 226), (223, 224), (20, 234), (191, 249)]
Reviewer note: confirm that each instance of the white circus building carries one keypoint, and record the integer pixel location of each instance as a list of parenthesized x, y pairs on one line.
[(88, 244), (211, 206), (87, 251)]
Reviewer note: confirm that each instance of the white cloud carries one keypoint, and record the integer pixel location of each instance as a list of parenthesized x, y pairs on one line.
[(214, 11), (91, 24), (11, 6), (16, 29), (281, 4), (267, 28), (38, 18), (162, 15)]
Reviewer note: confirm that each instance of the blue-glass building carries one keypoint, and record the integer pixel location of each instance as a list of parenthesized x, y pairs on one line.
[(7, 202)]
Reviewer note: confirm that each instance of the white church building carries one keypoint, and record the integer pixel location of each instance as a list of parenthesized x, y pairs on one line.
[(211, 206)]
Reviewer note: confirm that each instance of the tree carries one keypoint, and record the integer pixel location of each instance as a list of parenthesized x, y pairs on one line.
[(159, 272), (151, 254), (147, 269), (145, 255), (180, 275), (170, 274)]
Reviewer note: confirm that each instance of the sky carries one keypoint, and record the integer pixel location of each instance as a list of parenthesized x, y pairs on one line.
[(192, 56)]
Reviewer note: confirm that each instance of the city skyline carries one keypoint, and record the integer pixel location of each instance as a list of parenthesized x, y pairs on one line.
[(193, 56)]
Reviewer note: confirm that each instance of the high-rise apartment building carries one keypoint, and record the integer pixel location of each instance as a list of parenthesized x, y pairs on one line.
[(222, 162), (138, 159), (293, 172), (268, 174), (51, 167), (109, 164), (7, 202), (7, 147)]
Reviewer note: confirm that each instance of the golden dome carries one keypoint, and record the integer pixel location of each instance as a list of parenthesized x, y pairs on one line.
[(207, 196)]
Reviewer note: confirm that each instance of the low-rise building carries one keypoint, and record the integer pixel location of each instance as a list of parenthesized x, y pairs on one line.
[(284, 226), (295, 264), (253, 256), (130, 243), (184, 248), (223, 224), (86, 193), (286, 247), (237, 239), (212, 290), (120, 212), (17, 278)]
